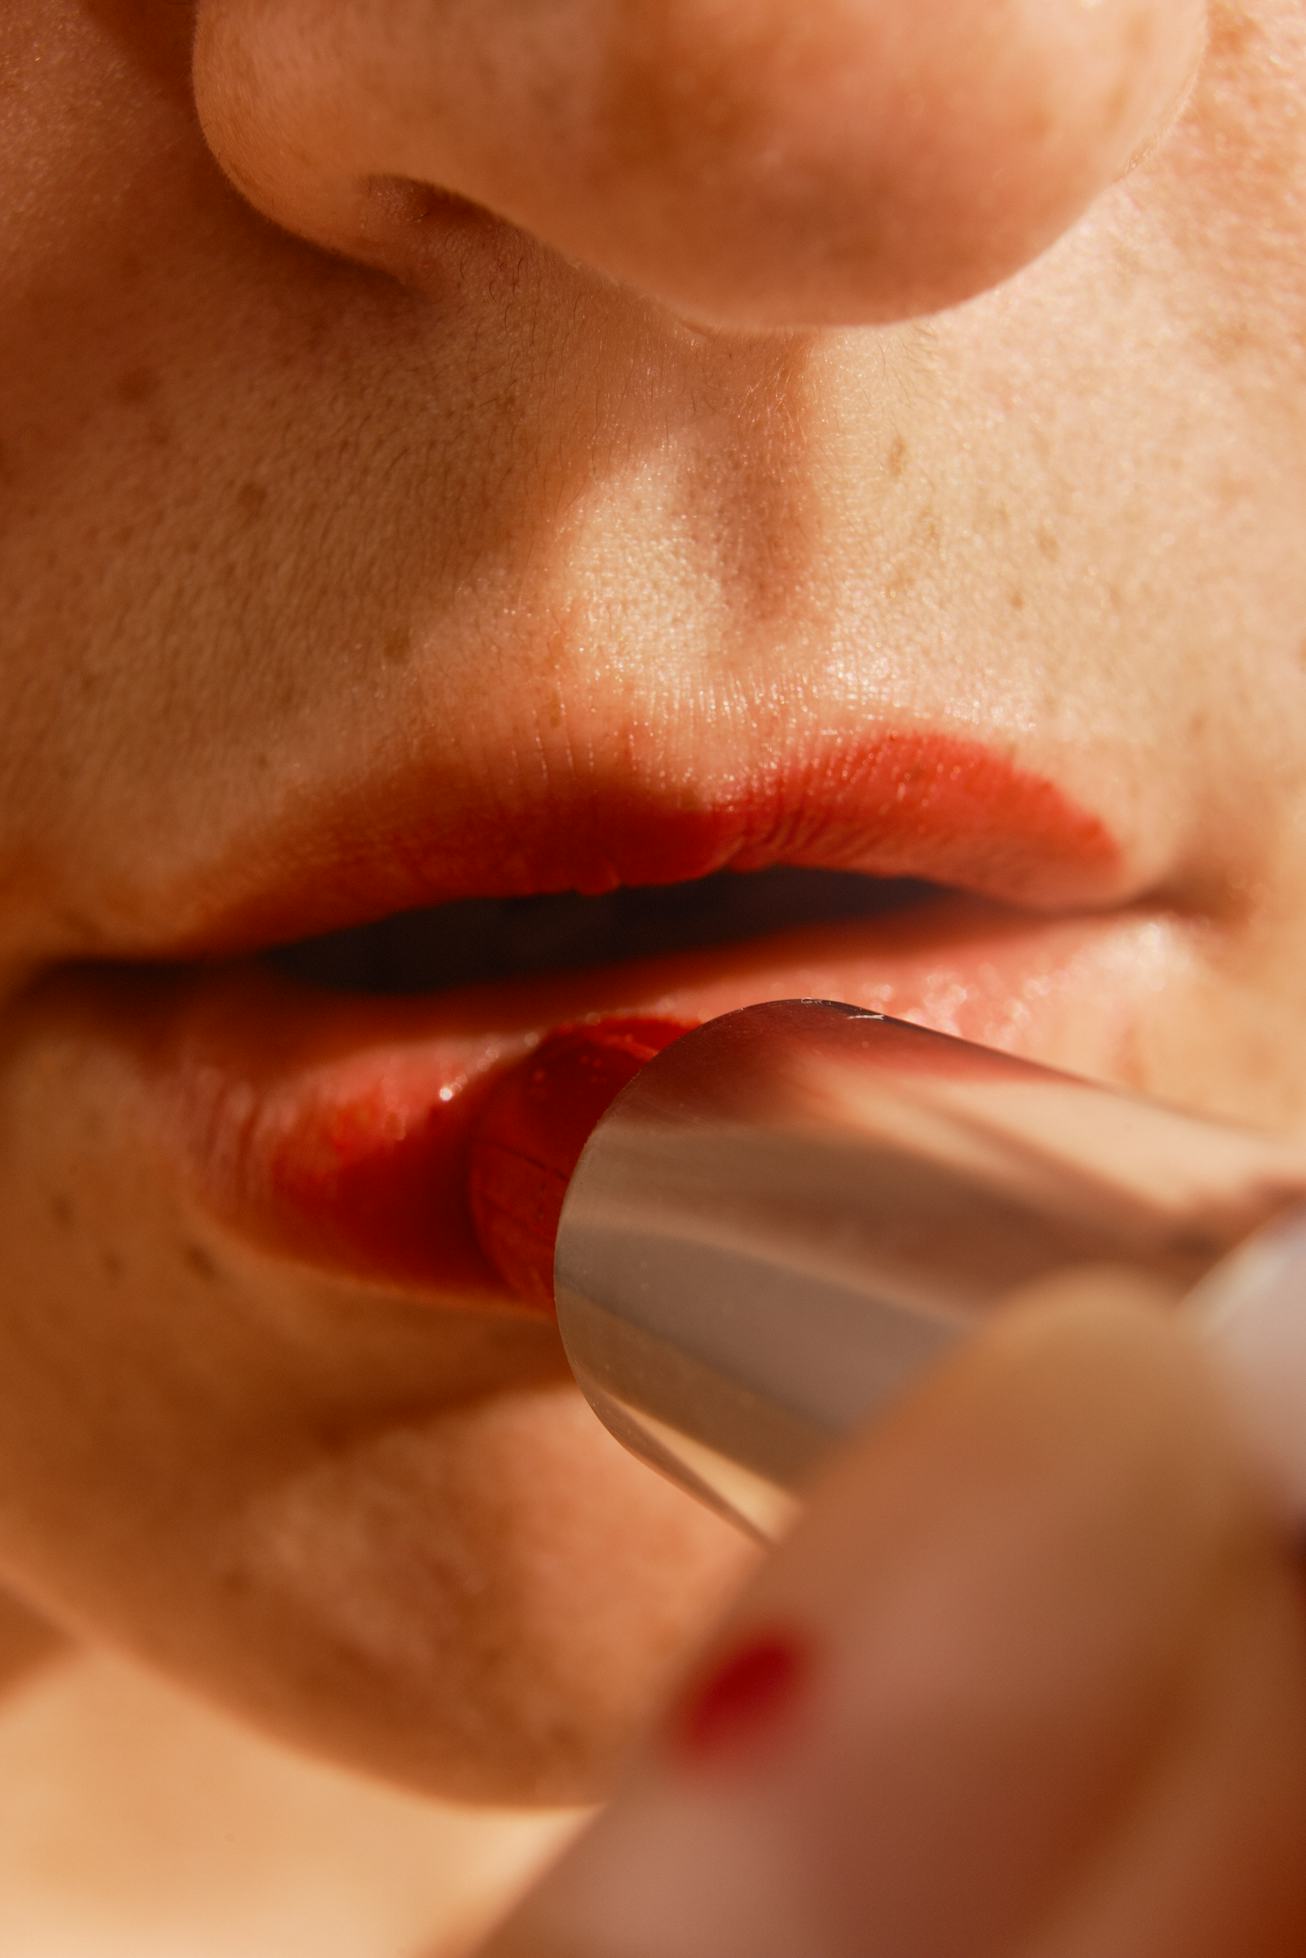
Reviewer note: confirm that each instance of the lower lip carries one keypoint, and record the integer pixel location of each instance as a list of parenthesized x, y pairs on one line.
[(334, 1130)]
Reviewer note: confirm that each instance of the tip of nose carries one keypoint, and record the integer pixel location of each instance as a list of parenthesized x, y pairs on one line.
[(751, 166)]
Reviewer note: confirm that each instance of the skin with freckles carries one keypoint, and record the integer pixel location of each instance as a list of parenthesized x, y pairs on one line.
[(481, 396)]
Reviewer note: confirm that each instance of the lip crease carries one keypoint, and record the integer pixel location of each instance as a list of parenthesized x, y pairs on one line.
[(334, 1130)]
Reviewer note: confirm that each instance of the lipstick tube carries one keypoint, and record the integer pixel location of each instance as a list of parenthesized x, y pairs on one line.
[(794, 1210)]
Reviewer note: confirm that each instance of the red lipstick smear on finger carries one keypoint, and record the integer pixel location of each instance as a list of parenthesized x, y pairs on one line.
[(530, 1133)]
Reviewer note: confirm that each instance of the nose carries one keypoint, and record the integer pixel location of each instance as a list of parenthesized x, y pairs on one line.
[(746, 163)]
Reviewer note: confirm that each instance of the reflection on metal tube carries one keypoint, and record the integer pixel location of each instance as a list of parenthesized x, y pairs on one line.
[(795, 1209)]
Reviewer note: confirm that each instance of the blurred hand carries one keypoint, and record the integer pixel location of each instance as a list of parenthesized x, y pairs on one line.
[(1029, 1679)]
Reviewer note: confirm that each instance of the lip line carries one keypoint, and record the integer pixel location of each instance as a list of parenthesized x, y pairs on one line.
[(911, 803)]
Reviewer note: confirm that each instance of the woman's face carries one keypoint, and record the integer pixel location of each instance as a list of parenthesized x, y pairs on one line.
[(362, 552)]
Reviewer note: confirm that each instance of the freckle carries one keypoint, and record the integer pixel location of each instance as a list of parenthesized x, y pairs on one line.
[(1047, 544), (71, 923), (137, 386), (1232, 488), (62, 1211), (198, 1260), (1230, 341), (1139, 36), (334, 1437), (251, 500), (562, 643), (312, 331), (1128, 268), (76, 924), (1116, 103), (1016, 599), (896, 460), (1229, 33), (397, 646), (111, 1266)]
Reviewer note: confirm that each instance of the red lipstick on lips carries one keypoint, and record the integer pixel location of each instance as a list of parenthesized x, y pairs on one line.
[(908, 804), (530, 1133), (337, 1129)]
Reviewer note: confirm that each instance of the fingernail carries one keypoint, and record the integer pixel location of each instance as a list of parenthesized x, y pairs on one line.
[(998, 1594), (1252, 1310), (745, 1698)]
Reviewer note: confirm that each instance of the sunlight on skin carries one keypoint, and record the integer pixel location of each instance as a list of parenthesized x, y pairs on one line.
[(582, 441)]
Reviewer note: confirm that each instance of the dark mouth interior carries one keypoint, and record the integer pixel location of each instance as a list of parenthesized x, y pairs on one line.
[(476, 940)]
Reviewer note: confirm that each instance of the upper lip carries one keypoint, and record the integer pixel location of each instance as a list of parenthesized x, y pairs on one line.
[(912, 802), (892, 803)]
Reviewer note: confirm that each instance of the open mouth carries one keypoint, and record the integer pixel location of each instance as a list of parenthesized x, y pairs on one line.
[(313, 1091), (320, 1099), (476, 941)]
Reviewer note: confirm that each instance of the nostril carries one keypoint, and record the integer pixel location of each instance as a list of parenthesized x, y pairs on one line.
[(304, 124)]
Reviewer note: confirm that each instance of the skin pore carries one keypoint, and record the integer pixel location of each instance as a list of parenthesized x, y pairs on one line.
[(784, 398)]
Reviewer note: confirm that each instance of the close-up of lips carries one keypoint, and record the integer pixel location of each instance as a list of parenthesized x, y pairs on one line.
[(323, 1089), (652, 896)]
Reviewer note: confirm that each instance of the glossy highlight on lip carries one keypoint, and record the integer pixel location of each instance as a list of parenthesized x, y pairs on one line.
[(331, 1132)]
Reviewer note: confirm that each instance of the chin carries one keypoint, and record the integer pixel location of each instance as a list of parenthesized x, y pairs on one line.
[(484, 1606)]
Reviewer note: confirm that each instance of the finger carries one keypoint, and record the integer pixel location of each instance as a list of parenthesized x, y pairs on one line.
[(1030, 1679), (745, 162)]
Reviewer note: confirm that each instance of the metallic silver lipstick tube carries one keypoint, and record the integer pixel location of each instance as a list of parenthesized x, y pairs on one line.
[(794, 1210)]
